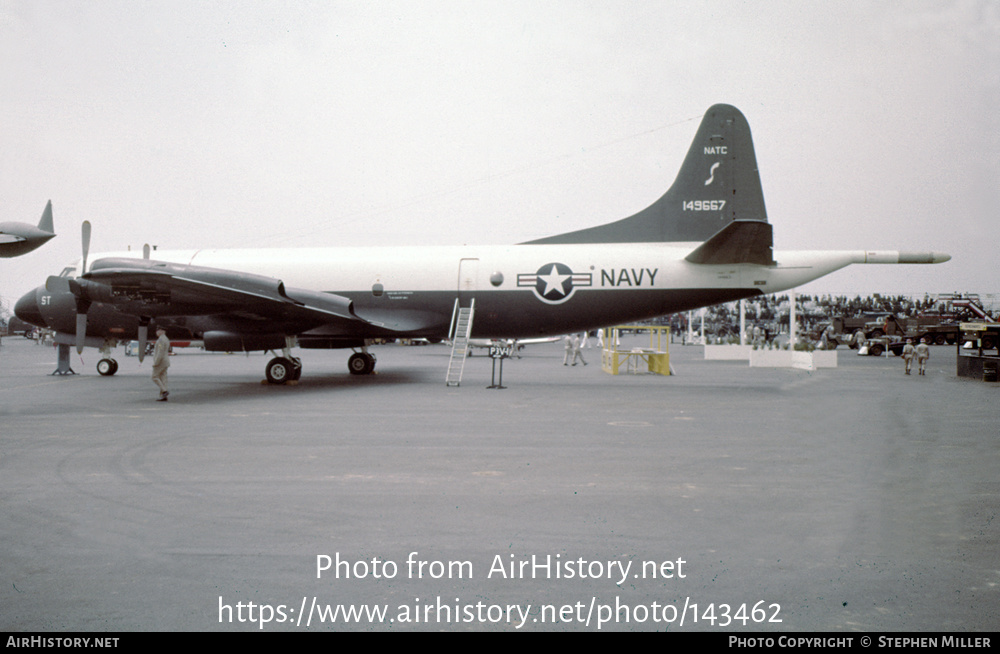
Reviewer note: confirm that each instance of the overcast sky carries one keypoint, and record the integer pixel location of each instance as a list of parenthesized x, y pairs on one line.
[(254, 124)]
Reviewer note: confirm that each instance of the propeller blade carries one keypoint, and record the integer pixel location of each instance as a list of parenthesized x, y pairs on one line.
[(143, 333), (81, 331), (85, 234)]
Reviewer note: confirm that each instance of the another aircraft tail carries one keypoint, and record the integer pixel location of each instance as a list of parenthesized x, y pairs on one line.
[(45, 223), (717, 185)]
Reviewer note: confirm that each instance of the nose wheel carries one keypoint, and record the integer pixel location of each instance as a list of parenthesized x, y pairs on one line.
[(107, 367)]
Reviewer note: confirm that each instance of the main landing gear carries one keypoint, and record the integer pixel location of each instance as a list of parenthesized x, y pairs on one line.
[(287, 369), (281, 370), (361, 363)]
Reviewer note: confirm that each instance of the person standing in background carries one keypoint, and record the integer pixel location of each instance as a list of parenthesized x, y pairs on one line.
[(161, 361)]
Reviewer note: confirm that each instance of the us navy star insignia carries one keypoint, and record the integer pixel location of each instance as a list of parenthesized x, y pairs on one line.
[(554, 283)]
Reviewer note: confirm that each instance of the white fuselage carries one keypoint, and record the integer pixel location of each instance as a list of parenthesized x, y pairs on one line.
[(469, 268), (522, 290)]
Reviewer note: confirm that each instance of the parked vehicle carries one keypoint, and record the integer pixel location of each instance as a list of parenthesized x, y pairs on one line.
[(930, 327)]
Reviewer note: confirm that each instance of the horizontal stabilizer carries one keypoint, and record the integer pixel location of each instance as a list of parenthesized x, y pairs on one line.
[(741, 241)]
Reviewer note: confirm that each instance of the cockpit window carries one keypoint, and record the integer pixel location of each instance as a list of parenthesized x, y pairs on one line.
[(68, 271)]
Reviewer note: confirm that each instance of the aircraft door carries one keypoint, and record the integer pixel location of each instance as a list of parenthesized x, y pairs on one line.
[(468, 280)]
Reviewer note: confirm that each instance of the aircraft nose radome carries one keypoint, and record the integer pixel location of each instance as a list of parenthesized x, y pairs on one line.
[(27, 310)]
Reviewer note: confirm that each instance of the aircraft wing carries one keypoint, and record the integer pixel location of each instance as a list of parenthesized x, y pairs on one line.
[(145, 287)]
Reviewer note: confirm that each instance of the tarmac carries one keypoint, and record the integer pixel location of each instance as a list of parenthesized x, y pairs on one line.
[(720, 499)]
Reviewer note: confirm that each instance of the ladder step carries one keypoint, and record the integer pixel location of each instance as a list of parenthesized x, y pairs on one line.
[(459, 346)]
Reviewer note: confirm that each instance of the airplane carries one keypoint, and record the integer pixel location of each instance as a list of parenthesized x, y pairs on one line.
[(20, 238), (705, 241)]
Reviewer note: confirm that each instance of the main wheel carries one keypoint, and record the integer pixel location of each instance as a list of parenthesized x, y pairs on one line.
[(107, 367), (280, 370), (361, 363)]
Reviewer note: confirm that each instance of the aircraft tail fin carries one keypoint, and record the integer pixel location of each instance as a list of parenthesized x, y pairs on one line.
[(45, 224), (718, 183)]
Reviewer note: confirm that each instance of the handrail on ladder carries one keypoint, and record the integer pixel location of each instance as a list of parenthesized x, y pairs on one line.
[(460, 343), (454, 319)]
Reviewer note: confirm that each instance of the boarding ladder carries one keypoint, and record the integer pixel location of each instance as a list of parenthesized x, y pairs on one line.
[(462, 321)]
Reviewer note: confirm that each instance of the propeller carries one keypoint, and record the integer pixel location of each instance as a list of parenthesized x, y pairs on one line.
[(85, 234), (81, 327), (143, 334), (83, 290), (82, 301)]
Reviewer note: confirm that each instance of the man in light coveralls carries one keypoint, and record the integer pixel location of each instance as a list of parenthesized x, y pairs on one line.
[(908, 352), (923, 353), (161, 361)]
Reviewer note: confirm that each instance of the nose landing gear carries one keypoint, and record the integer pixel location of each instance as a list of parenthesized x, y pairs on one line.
[(107, 367)]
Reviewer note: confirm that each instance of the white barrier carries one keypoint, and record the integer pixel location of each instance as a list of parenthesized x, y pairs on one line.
[(793, 359), (728, 352)]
